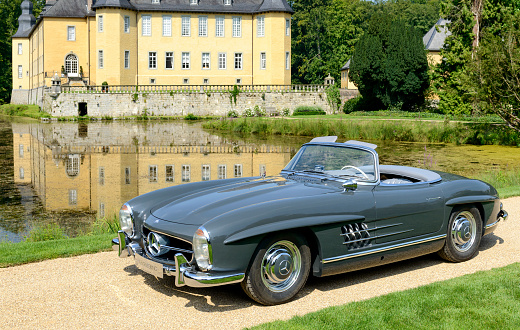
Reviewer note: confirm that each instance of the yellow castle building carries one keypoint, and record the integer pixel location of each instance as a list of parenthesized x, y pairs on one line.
[(147, 42)]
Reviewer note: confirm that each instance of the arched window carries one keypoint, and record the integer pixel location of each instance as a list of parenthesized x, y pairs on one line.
[(71, 64)]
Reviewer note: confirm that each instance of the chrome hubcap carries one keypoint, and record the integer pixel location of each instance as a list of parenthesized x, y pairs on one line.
[(463, 231), (281, 266)]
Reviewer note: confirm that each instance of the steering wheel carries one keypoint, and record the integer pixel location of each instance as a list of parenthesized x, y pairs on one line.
[(356, 168)]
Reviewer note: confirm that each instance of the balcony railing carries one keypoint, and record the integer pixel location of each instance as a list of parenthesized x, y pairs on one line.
[(160, 89)]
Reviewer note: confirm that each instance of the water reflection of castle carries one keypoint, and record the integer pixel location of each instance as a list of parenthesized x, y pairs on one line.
[(100, 166)]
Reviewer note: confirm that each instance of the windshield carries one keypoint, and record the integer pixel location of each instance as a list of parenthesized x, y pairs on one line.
[(335, 161)]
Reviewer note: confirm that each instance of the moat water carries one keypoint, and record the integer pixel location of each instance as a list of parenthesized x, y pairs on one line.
[(70, 173)]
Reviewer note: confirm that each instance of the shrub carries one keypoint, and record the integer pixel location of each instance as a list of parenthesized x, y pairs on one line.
[(51, 231), (286, 112), (191, 116), (308, 111), (353, 104), (233, 114), (259, 112), (249, 112)]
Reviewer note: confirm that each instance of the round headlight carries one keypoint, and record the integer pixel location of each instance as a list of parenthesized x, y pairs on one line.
[(125, 219), (202, 249)]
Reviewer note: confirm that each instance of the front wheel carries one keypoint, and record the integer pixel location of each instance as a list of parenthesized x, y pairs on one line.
[(279, 270), (464, 234)]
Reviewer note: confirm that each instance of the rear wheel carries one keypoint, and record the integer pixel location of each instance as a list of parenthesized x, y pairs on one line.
[(464, 234), (279, 270)]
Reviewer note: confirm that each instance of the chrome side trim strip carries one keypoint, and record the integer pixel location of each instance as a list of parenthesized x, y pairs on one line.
[(378, 236), (369, 229), (383, 249)]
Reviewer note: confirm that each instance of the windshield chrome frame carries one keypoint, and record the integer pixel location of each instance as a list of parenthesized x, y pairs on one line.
[(360, 181)]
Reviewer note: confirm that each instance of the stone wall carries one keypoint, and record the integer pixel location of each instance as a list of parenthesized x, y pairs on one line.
[(178, 103)]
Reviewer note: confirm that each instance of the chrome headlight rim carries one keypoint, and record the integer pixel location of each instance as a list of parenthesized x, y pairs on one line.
[(203, 257), (126, 220)]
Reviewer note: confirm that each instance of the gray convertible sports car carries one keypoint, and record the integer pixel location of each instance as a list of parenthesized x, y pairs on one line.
[(332, 209)]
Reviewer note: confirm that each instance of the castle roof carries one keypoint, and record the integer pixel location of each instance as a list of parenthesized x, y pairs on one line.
[(67, 8), (216, 6), (434, 39)]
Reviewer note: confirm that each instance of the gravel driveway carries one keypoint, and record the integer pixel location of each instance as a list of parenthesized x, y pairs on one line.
[(103, 291)]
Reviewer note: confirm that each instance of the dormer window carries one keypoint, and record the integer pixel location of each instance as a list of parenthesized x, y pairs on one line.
[(156, 1), (194, 2), (227, 2)]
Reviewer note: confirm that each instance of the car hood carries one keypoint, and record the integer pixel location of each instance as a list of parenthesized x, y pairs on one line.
[(201, 206)]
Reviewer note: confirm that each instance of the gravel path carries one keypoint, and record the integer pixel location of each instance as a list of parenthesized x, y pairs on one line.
[(104, 291)]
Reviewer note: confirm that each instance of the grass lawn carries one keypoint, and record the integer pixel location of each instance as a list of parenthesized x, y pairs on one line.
[(12, 254), (30, 111), (484, 300)]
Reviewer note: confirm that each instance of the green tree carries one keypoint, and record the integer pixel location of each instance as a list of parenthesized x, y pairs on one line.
[(389, 65), (9, 13), (496, 70)]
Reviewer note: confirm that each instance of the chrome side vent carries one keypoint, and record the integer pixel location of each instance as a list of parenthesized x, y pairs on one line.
[(356, 235)]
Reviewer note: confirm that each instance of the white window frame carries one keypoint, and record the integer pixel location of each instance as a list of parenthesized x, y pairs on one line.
[(263, 61), (194, 2), (20, 72), (152, 173), (238, 81), (71, 65), (262, 170), (127, 59), (186, 81), (167, 26), (20, 149), (128, 177), (205, 81), (222, 172), (73, 197), (101, 176), (100, 23), (152, 60), (146, 25), (227, 2), (185, 60), (101, 210), (239, 171), (287, 27), (169, 55), (20, 48), (71, 36), (185, 26), (186, 173), (203, 26), (238, 61), (222, 61), (22, 173), (219, 26), (260, 26), (206, 172), (156, 2), (101, 59), (169, 177), (237, 26), (206, 60), (287, 60), (126, 24)]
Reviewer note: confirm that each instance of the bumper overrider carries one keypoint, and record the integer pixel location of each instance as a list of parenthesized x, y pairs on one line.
[(185, 274)]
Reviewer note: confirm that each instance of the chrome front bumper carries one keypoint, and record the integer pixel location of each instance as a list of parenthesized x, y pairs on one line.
[(183, 271)]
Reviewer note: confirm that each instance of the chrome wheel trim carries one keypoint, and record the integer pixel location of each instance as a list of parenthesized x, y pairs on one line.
[(464, 231), (281, 266)]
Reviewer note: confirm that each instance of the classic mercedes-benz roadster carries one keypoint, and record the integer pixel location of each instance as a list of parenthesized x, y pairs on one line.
[(332, 209)]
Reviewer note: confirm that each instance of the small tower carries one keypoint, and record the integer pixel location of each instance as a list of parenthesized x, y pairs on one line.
[(26, 19), (329, 80)]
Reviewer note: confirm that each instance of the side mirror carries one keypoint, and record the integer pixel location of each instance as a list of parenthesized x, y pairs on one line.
[(350, 185)]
